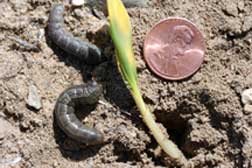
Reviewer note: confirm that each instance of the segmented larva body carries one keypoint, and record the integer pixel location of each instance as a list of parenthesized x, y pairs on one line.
[(65, 112), (128, 3), (84, 50)]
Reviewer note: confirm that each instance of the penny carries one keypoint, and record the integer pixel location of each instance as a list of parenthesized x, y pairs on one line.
[(174, 49)]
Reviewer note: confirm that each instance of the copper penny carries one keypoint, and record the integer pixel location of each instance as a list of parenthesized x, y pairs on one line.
[(174, 49)]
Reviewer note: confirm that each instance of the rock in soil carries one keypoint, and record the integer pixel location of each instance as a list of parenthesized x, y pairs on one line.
[(247, 96), (248, 109), (78, 2), (34, 100)]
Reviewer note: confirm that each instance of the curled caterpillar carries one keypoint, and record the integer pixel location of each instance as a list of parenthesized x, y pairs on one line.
[(127, 3), (65, 107), (86, 51)]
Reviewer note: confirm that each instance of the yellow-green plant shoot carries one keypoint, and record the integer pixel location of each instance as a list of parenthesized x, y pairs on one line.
[(121, 33)]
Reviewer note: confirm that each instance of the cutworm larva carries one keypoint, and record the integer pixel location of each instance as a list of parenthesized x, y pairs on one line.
[(84, 50), (65, 112), (127, 3)]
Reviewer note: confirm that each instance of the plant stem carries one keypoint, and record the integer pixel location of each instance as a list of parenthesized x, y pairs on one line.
[(167, 145)]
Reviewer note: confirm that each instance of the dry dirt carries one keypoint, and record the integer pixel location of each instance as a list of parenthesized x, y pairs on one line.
[(202, 114)]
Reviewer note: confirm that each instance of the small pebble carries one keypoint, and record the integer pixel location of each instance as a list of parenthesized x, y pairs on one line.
[(78, 2), (231, 8), (248, 41), (79, 13), (247, 96), (247, 25), (33, 98), (40, 34), (55, 164), (11, 163), (99, 27), (248, 109)]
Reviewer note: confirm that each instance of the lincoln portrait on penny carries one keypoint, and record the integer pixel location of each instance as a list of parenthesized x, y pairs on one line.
[(176, 56)]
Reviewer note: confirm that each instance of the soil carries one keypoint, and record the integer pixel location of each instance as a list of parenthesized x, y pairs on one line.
[(202, 114)]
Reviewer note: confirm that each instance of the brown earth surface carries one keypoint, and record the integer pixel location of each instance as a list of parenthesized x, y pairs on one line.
[(202, 114)]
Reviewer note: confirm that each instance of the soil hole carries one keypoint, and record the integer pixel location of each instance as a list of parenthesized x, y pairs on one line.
[(176, 126), (124, 154)]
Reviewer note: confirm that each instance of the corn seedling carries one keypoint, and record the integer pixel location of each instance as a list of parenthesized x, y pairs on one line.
[(121, 33)]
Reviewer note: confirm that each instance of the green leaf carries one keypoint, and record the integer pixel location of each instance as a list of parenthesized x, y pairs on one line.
[(121, 33)]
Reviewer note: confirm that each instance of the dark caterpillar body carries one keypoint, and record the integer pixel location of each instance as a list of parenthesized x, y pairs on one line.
[(128, 3), (65, 107), (86, 51)]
